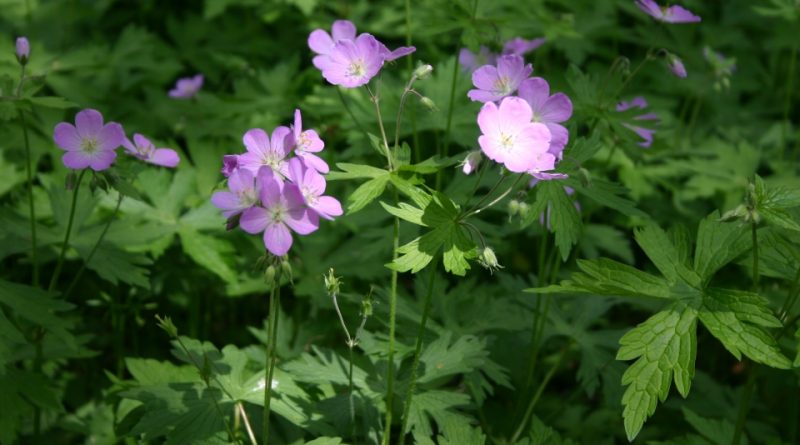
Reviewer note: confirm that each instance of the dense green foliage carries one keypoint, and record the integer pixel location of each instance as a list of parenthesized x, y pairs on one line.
[(474, 309)]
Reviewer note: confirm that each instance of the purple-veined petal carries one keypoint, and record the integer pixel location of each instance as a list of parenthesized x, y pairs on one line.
[(88, 122), (328, 207), (66, 137), (102, 159), (76, 160), (110, 137), (535, 91), (302, 221), (320, 41), (314, 161), (228, 202), (557, 108), (277, 239), (165, 157), (256, 141), (343, 29), (254, 220)]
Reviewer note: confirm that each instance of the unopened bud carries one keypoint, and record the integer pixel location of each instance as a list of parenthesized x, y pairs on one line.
[(488, 259), (167, 325), (332, 282), (423, 71), (366, 305), (23, 50), (428, 103), (513, 207), (269, 274), (286, 270), (524, 210), (471, 162)]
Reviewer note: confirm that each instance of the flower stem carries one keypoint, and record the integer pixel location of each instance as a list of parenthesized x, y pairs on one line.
[(94, 248), (392, 322), (539, 392), (756, 276), (376, 100), (247, 426), (412, 386), (274, 305), (64, 245), (31, 210)]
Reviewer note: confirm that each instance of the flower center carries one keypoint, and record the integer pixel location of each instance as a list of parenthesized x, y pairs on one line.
[(309, 195), (536, 117), (247, 197), (503, 85), (89, 145), (145, 151), (507, 141), (277, 213), (357, 68), (303, 141), (272, 161)]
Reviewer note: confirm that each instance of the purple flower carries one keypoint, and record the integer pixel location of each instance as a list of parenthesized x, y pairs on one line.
[(471, 162), (312, 186), (672, 14), (187, 87), (88, 143), (143, 149), (471, 61), (23, 49), (549, 110), (230, 163), (352, 63), (495, 83), (265, 151), (645, 133), (307, 143), (243, 194), (676, 66), (323, 43), (519, 46), (510, 137), (282, 208)]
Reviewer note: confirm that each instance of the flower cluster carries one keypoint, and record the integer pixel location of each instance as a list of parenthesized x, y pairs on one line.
[(347, 59), (516, 46), (92, 143), (645, 133), (524, 133), (273, 193)]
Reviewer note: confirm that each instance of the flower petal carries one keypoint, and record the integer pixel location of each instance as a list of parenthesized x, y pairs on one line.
[(165, 157), (254, 220), (102, 159), (343, 29), (88, 122), (66, 137), (76, 160), (110, 137), (328, 207), (557, 108), (320, 41), (256, 141), (277, 239)]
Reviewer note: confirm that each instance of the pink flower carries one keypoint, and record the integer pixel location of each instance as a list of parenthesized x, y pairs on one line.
[(511, 138), (282, 208), (672, 14), (307, 143), (187, 87), (471, 61), (645, 133), (265, 151), (351, 63), (549, 110), (494, 83), (312, 186), (143, 149), (323, 43), (243, 194), (88, 143)]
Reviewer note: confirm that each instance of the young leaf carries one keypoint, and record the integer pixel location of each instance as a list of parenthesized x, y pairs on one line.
[(366, 193), (718, 244), (665, 347), (560, 213)]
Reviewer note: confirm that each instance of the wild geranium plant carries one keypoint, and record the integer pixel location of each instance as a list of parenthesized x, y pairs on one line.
[(450, 223)]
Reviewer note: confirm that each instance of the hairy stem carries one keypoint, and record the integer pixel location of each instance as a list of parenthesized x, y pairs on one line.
[(274, 305), (412, 386), (539, 391), (31, 210), (65, 243), (376, 101), (392, 322), (94, 248)]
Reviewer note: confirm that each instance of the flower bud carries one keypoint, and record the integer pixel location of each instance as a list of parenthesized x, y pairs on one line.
[(423, 71), (471, 162), (524, 210), (332, 283), (366, 305), (488, 259), (676, 66), (513, 208), (23, 50), (428, 103), (167, 325), (269, 274), (286, 270)]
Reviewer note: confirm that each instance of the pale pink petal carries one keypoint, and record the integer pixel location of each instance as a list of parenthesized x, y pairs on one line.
[(485, 77), (328, 207), (228, 202), (256, 141), (535, 91), (102, 159), (514, 114), (315, 162), (110, 137), (129, 147), (343, 29), (488, 119), (320, 41), (302, 221), (271, 187), (557, 108), (314, 181), (282, 140)]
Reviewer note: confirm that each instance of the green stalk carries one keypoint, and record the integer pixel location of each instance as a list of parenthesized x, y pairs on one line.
[(787, 104), (750, 386), (31, 210), (64, 245), (539, 391), (392, 322), (274, 304), (94, 249), (417, 350), (376, 100)]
